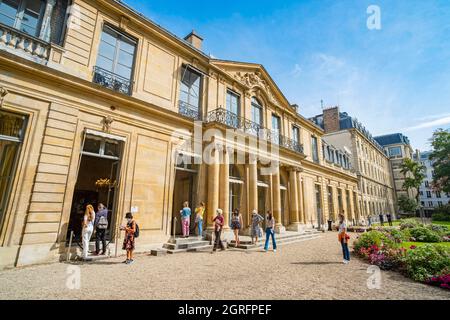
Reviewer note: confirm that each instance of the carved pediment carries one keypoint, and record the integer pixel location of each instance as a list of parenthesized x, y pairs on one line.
[(253, 80)]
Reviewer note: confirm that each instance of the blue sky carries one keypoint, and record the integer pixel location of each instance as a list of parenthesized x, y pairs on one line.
[(396, 79)]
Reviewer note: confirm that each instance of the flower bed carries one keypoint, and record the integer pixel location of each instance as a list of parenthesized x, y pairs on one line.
[(429, 263)]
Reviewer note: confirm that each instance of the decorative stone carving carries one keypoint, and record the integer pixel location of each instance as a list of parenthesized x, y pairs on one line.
[(107, 121), (255, 79), (3, 94)]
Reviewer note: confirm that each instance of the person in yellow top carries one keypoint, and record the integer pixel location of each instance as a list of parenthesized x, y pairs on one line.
[(199, 214)]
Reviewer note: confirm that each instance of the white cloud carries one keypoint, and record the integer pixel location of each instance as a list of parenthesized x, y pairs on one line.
[(430, 124)]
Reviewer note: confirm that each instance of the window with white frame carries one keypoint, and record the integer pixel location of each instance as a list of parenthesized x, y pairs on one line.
[(24, 15)]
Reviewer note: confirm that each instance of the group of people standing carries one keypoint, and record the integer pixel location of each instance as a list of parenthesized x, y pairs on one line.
[(236, 225), (98, 222), (381, 219)]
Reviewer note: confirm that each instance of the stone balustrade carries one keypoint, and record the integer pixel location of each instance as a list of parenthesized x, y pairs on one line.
[(14, 39)]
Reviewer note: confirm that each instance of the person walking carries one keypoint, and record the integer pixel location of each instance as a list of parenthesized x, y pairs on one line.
[(236, 225), (218, 227), (101, 225), (370, 220), (270, 232), (382, 220), (256, 227), (186, 219), (344, 238), (88, 229), (199, 214), (389, 218), (131, 231)]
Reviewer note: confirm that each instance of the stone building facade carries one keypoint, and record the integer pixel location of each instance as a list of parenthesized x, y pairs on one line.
[(366, 157), (398, 148), (122, 112)]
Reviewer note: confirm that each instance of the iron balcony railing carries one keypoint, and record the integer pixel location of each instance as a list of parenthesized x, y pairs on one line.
[(112, 81), (234, 121), (189, 111)]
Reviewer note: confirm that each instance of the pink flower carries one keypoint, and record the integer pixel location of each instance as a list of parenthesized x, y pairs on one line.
[(413, 247)]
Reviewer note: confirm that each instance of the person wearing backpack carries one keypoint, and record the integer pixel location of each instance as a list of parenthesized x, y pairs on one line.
[(101, 225), (131, 233)]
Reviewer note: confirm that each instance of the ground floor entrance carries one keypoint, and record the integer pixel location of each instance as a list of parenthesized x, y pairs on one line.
[(97, 182)]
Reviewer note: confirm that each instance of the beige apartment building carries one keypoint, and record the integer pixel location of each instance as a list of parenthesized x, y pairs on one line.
[(398, 148), (104, 106), (367, 157)]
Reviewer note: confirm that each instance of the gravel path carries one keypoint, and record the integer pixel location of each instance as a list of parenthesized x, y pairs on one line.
[(306, 270)]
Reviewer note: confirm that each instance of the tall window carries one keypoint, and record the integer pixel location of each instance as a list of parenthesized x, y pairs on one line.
[(233, 102), (296, 134), (191, 85), (24, 15), (115, 60), (234, 107), (12, 128), (315, 149), (276, 129), (257, 112)]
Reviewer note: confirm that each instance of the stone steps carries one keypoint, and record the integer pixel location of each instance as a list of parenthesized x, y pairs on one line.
[(280, 239), (180, 245)]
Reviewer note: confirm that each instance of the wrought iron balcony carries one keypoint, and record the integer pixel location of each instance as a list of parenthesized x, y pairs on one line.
[(234, 121), (17, 41), (189, 111), (112, 81)]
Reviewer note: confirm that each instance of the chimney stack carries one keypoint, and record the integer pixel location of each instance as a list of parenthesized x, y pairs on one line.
[(195, 40), (331, 120)]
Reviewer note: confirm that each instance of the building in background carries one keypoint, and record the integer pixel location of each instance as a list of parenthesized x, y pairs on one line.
[(429, 199), (104, 108), (398, 148), (366, 157)]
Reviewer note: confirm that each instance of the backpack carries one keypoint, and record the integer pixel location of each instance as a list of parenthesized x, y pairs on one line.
[(102, 223), (136, 233)]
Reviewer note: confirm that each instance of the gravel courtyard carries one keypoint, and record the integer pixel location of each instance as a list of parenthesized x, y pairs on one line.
[(306, 270)]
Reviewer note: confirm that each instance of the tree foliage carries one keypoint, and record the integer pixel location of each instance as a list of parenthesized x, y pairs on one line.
[(407, 205), (414, 173), (441, 160)]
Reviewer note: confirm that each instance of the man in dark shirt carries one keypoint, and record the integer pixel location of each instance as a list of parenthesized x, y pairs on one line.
[(382, 220), (101, 225), (389, 217)]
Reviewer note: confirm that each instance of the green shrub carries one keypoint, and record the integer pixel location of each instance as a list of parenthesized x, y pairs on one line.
[(441, 217), (396, 235), (426, 262), (373, 238), (409, 224), (441, 230), (422, 234)]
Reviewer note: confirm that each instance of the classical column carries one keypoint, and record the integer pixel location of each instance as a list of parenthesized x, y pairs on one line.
[(224, 196), (335, 204), (277, 201), (301, 198), (213, 188), (253, 184), (294, 201), (46, 21)]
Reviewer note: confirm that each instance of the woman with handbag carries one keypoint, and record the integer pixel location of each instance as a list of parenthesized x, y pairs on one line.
[(344, 238)]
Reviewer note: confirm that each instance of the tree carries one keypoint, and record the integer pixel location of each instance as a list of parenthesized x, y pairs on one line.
[(414, 173), (441, 160), (407, 205)]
